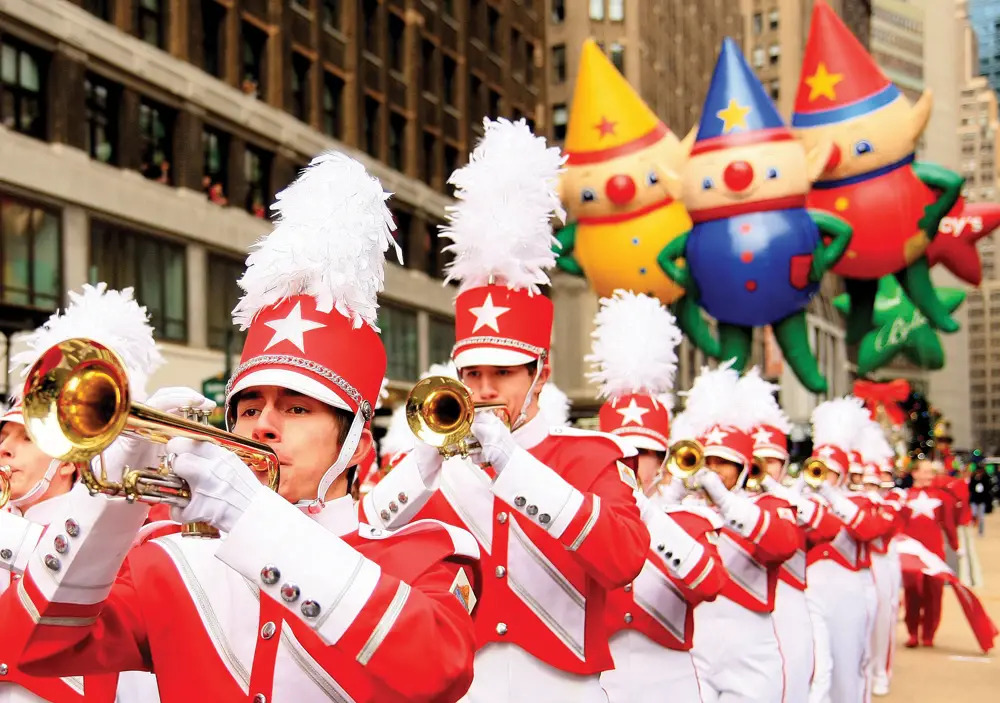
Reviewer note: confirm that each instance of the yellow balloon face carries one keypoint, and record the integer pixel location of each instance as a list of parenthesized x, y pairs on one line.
[(623, 254)]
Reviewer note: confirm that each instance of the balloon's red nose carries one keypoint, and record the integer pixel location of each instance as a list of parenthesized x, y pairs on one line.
[(834, 160), (620, 189), (738, 175)]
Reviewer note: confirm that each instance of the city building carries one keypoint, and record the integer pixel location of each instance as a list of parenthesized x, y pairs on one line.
[(897, 43), (984, 15), (143, 141)]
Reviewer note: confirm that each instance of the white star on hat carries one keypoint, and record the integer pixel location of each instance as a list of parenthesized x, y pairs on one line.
[(762, 436), (292, 328), (632, 413), (827, 452), (487, 314), (924, 505), (716, 436)]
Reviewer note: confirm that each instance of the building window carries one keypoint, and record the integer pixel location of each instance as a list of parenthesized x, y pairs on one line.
[(399, 334), (333, 92), (397, 141), (597, 9), (300, 86), (450, 77), (774, 53), (560, 120), (30, 249), (101, 137), (150, 20), (559, 63), (618, 57), (397, 42), (430, 157), (451, 155), (222, 296), (758, 23), (404, 224), (494, 110), (215, 168), (213, 29), (373, 116), (493, 29), (516, 48), (369, 16), (22, 88), (558, 11), (772, 19), (257, 171), (254, 47), (156, 127), (616, 10), (100, 8), (440, 339), (428, 54), (529, 63), (758, 57), (155, 267), (331, 13)]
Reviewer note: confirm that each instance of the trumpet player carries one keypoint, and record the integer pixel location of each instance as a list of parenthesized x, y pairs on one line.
[(296, 600), (651, 620), (556, 520), (736, 651), (804, 644)]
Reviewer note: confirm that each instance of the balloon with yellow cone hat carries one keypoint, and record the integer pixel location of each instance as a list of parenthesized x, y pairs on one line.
[(619, 158)]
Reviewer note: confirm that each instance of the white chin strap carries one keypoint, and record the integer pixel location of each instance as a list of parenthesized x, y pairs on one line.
[(340, 465), (523, 416), (39, 489)]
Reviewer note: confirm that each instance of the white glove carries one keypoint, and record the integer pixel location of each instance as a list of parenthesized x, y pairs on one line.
[(429, 462), (222, 486), (739, 511), (674, 492), (137, 453), (843, 507), (775, 488), (498, 444)]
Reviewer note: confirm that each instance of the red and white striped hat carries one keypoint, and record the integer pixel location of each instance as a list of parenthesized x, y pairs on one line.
[(771, 425), (716, 411)]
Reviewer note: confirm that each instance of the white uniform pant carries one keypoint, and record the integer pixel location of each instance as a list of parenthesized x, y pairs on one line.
[(736, 653), (822, 679), (793, 624), (645, 672), (845, 600), (505, 673), (886, 614)]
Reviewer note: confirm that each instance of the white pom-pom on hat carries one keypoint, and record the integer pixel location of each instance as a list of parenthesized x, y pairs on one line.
[(837, 422), (757, 396), (714, 400), (554, 405)]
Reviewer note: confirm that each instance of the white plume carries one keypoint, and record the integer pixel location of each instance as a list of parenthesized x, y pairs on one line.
[(500, 226), (681, 428), (714, 400), (398, 437), (383, 393), (332, 228), (112, 318), (635, 346), (758, 396), (554, 405), (667, 400), (446, 369), (873, 445), (838, 422)]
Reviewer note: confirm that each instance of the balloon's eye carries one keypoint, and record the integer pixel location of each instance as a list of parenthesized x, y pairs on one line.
[(707, 184), (863, 146), (587, 195), (772, 172), (652, 179)]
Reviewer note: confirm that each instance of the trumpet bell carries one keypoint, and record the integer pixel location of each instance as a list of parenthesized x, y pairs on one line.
[(685, 459), (814, 472), (440, 411), (755, 478)]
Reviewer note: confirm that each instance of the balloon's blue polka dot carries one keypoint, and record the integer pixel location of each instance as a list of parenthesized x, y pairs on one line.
[(643, 270), (635, 240)]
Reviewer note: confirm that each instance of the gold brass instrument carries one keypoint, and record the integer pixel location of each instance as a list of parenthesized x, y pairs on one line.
[(685, 458), (755, 478), (440, 411), (4, 486), (814, 472), (76, 404)]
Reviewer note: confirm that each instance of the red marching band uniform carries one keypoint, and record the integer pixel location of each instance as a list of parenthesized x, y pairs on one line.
[(651, 620), (296, 601), (558, 527)]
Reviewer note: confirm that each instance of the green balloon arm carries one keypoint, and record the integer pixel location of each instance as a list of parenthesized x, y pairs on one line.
[(826, 256), (792, 335), (950, 185), (916, 282), (667, 260), (564, 253), (735, 343), (693, 325)]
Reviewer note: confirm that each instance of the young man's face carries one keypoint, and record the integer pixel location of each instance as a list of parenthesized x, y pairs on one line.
[(775, 467), (303, 432), (504, 384), (28, 465), (729, 471), (923, 473), (649, 463)]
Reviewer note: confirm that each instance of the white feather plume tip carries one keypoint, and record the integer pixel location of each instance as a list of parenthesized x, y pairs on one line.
[(714, 399), (635, 346), (838, 422), (500, 226), (446, 369), (112, 318), (758, 397), (873, 445), (332, 229), (554, 405)]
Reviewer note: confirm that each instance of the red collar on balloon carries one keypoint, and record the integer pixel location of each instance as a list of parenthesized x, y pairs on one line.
[(718, 213), (617, 217)]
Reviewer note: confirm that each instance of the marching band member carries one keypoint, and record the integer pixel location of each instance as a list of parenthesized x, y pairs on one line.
[(931, 519), (793, 623), (297, 600), (735, 649), (558, 525), (41, 487), (838, 571), (651, 620)]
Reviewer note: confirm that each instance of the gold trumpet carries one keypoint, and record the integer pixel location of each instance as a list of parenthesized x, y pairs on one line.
[(685, 458), (814, 472), (4, 486), (76, 403), (440, 411), (755, 478)]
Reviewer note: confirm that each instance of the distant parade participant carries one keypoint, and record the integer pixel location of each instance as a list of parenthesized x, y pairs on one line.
[(651, 620)]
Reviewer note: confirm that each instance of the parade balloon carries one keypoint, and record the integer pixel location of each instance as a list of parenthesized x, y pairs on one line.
[(894, 204), (754, 256), (954, 247), (900, 328), (621, 213)]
